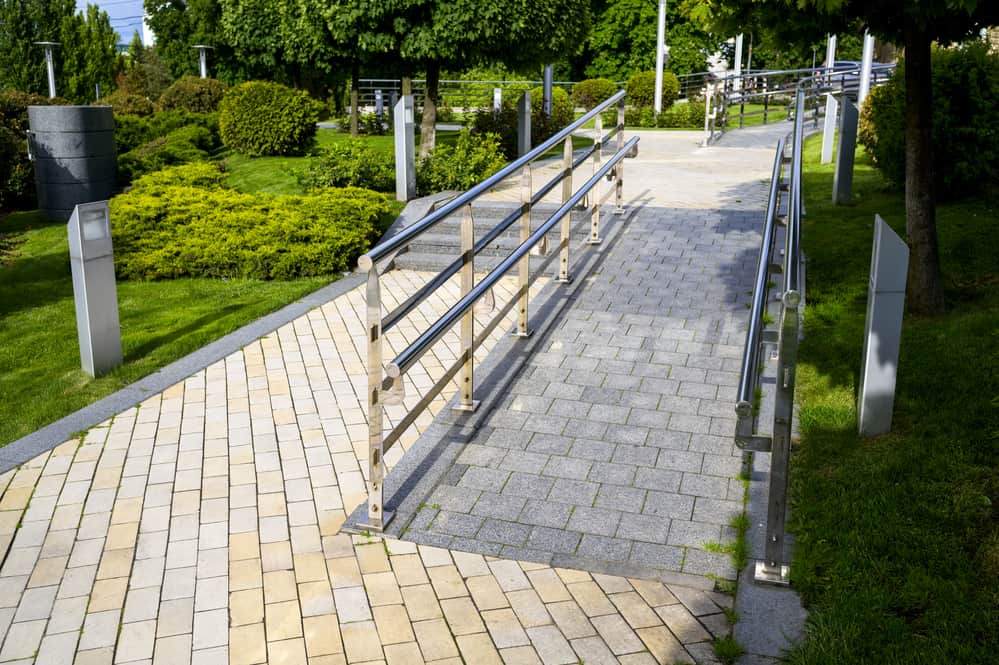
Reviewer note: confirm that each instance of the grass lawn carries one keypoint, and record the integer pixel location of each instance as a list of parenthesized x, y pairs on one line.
[(40, 375), (897, 537)]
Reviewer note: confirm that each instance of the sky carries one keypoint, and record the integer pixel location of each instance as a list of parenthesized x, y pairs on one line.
[(125, 15)]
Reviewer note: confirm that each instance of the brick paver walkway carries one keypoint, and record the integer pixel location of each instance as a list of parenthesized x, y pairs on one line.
[(203, 525)]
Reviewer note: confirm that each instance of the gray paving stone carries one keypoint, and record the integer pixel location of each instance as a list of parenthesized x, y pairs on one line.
[(627, 434), (680, 460), (635, 455), (456, 524), (550, 444), (647, 528), (584, 429), (563, 391), (693, 534), (722, 465), (546, 513), (455, 499), (603, 548), (714, 445), (575, 492), (668, 504), (567, 467), (545, 424), (499, 506), (614, 474), (480, 455), (662, 480), (519, 460), (659, 556), (599, 451), (475, 546), (700, 485), (671, 440), (557, 541), (715, 511), (506, 438), (699, 562), (568, 408), (598, 521), (505, 533), (483, 478), (525, 554), (623, 499), (528, 485)]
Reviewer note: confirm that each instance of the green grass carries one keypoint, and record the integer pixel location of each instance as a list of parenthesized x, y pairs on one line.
[(40, 375), (897, 543), (753, 115)]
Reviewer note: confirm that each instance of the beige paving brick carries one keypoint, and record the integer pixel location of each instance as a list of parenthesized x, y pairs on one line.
[(486, 593), (382, 589), (56, 649), (520, 656), (479, 649), (528, 607), (571, 620), (141, 604), (617, 634), (655, 593), (135, 641), (48, 571), (409, 569), (100, 629), (361, 642), (316, 598), (276, 556), (683, 624), (462, 616), (352, 604), (322, 635), (504, 628), (447, 582), (246, 607), (403, 654), (551, 645), (117, 563), (287, 652), (612, 583), (662, 645), (310, 567), (470, 564), (108, 594), (591, 598), (435, 639), (173, 650), (434, 556), (421, 603), (372, 558), (393, 624), (643, 658), (279, 585), (23, 639), (176, 617), (549, 585), (245, 574), (344, 572), (244, 546), (634, 610), (509, 575), (283, 620), (569, 575), (121, 536), (247, 645)]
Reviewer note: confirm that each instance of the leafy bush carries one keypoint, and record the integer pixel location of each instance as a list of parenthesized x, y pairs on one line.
[(473, 158), (193, 94), (191, 226), (642, 89), (563, 113), (17, 179), (132, 131), (504, 123), (260, 118), (124, 102), (591, 92), (351, 163), (187, 144), (688, 115), (965, 133)]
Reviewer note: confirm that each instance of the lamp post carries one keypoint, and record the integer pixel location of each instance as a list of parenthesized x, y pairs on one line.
[(94, 291), (203, 58), (50, 64), (660, 56)]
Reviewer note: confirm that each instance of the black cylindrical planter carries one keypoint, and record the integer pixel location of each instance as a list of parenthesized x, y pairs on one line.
[(74, 156)]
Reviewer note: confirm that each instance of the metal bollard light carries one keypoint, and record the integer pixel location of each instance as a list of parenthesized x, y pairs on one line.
[(92, 262)]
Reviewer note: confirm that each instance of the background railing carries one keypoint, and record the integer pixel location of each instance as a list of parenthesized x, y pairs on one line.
[(386, 383)]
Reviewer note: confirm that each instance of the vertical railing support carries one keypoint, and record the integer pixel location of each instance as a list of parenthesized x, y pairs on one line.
[(566, 226), (595, 194), (467, 389), (524, 268), (619, 169), (377, 517)]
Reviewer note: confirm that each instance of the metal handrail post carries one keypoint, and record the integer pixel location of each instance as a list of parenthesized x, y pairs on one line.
[(619, 171), (466, 402), (524, 276), (596, 197), (563, 271), (377, 518)]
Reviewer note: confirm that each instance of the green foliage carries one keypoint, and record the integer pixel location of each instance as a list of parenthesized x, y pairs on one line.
[(686, 115), (591, 92), (727, 650), (261, 118), (187, 144), (88, 55), (17, 179), (473, 158), (193, 94), (122, 102), (145, 73), (642, 89), (132, 131), (504, 123), (352, 163), (965, 133), (164, 231)]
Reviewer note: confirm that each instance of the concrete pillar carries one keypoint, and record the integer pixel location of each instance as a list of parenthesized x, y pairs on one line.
[(524, 124), (549, 83), (405, 149), (829, 129), (845, 149)]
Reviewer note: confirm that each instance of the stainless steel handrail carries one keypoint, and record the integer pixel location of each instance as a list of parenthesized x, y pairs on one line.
[(400, 240), (386, 384)]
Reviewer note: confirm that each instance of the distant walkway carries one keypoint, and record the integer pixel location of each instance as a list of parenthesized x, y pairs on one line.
[(203, 525)]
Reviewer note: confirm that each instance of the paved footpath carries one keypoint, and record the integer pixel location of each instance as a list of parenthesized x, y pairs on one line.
[(203, 525)]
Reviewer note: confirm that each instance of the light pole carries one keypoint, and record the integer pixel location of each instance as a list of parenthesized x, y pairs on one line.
[(50, 65), (660, 56), (203, 58)]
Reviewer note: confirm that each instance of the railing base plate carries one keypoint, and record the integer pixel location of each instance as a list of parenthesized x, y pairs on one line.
[(522, 335), (767, 575), (466, 408), (620, 211), (594, 241), (567, 280), (374, 528)]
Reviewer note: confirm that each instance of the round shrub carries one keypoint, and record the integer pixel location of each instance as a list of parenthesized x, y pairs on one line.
[(125, 103), (563, 112), (352, 163), (472, 158), (642, 89), (965, 138), (591, 92), (261, 118), (182, 222), (193, 94)]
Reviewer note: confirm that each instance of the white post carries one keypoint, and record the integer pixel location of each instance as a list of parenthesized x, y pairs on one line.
[(865, 69), (737, 71), (830, 51), (829, 128), (202, 59), (497, 100), (49, 65), (405, 149), (660, 55)]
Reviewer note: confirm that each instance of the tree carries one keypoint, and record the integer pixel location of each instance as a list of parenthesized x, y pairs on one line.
[(88, 55), (914, 26)]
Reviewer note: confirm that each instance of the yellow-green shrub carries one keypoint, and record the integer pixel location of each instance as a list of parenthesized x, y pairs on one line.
[(181, 222), (261, 118)]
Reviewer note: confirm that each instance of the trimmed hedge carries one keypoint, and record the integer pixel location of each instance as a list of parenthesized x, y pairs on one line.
[(965, 132), (260, 118), (351, 163), (591, 92), (473, 158), (689, 115), (190, 93), (181, 222), (642, 89)]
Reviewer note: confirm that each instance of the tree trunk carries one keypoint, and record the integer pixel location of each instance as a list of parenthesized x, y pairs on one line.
[(428, 126), (925, 286), (355, 83)]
